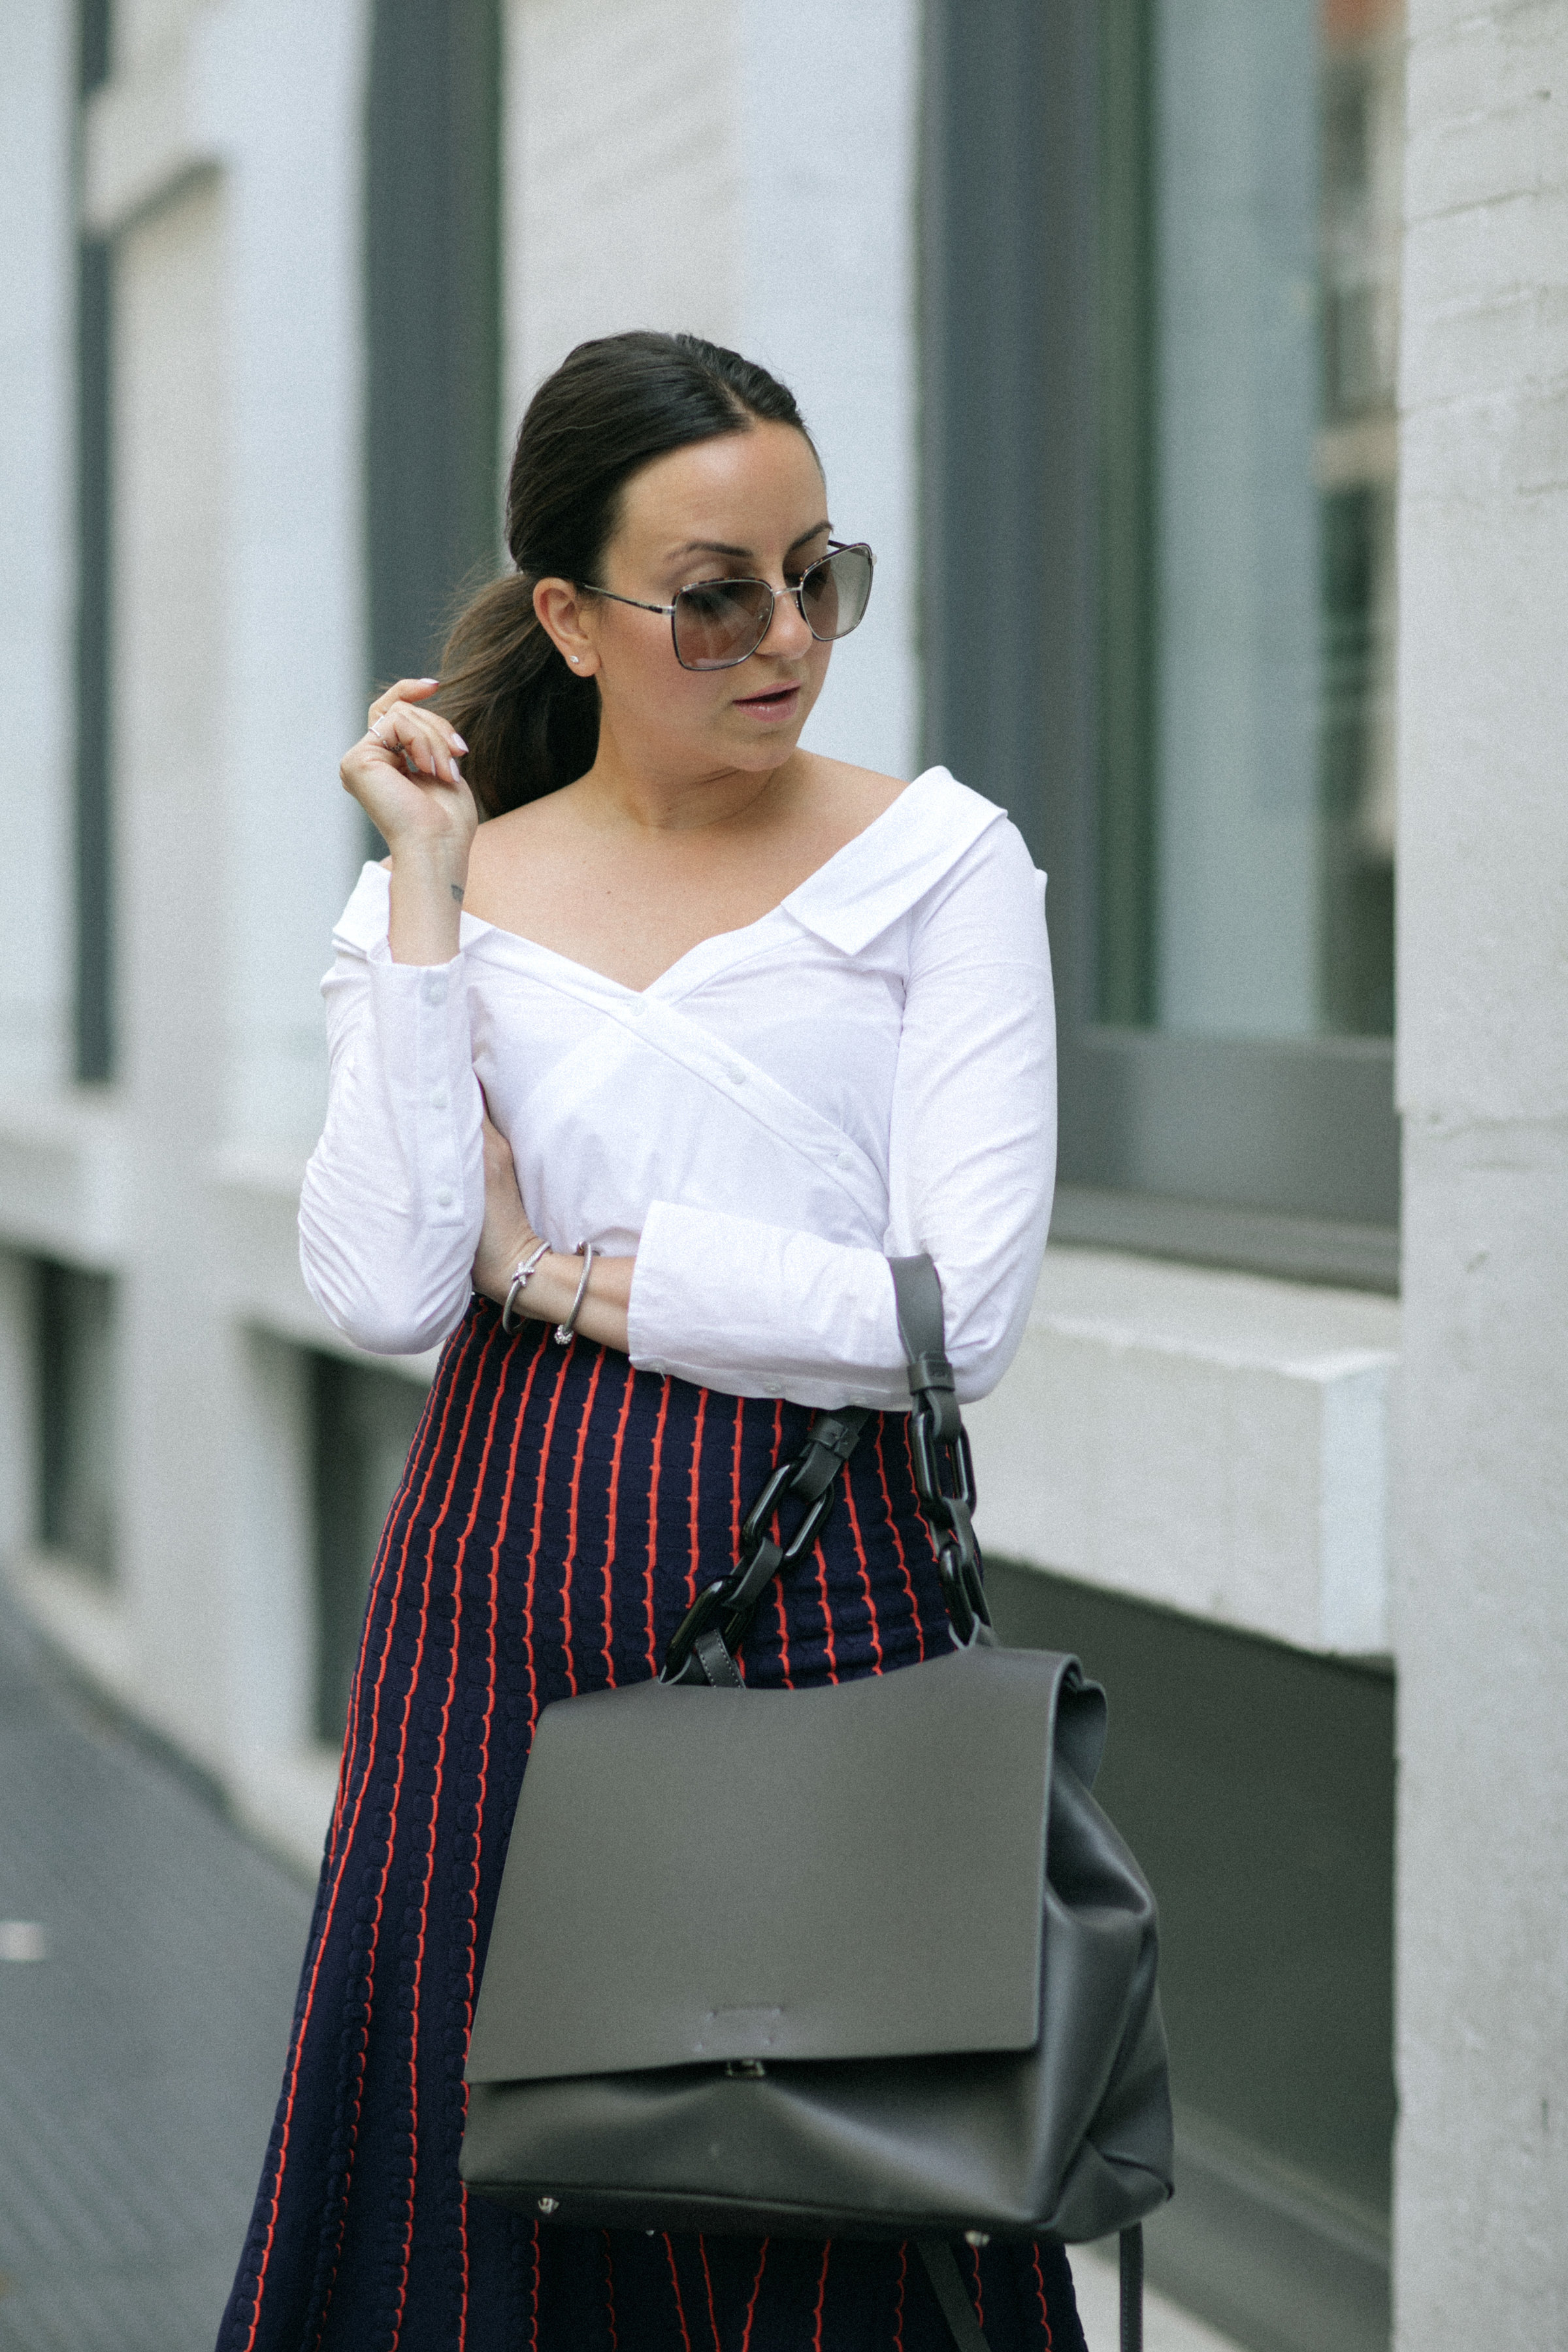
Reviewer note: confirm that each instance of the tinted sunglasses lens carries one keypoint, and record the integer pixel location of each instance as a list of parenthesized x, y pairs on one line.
[(719, 622), (835, 593)]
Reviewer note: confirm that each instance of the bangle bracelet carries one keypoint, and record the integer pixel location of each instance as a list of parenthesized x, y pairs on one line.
[(563, 1330), (520, 1283)]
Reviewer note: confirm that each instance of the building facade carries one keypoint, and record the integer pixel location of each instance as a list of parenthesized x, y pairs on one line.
[(1199, 372)]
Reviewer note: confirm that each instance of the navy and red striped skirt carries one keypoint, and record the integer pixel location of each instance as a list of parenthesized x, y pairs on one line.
[(556, 1513)]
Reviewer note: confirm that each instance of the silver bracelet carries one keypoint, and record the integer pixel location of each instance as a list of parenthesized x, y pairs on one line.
[(563, 1330), (520, 1283)]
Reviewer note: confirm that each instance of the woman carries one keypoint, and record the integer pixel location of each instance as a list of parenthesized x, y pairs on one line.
[(742, 1018)]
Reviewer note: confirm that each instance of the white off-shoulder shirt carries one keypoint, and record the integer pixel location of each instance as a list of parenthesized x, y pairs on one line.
[(868, 1071)]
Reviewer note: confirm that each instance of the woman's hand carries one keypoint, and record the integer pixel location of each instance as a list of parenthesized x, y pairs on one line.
[(403, 772)]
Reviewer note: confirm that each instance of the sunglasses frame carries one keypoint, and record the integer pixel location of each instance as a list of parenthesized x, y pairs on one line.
[(745, 580)]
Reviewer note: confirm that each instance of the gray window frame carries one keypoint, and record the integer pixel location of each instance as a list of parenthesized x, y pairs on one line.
[(1278, 1155), (433, 321)]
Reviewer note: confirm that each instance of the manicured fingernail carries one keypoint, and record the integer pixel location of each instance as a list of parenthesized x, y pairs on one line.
[(458, 740), (457, 772), (429, 681)]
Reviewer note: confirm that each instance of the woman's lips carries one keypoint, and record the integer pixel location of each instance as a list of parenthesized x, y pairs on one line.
[(774, 702)]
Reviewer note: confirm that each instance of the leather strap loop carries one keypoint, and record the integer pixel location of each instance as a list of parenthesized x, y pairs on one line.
[(948, 2286)]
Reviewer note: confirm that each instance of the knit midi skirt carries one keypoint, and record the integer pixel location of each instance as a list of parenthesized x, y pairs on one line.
[(555, 1516)]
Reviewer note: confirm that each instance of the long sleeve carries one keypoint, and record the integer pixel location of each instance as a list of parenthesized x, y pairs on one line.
[(738, 1304), (393, 1202)]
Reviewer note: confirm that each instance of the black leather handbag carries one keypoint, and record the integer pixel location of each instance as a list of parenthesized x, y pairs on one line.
[(861, 1960)]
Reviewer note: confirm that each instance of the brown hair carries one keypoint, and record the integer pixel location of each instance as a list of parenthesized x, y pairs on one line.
[(610, 408)]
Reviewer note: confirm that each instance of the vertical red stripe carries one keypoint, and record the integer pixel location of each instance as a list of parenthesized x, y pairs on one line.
[(435, 1526), (458, 1567), (899, 2299), (481, 1795), (821, 2298), (737, 1426), (832, 1648), (708, 2282), (612, 1508), (778, 1581), (545, 1443), (655, 1472), (694, 1493), (392, 1538), (572, 1519), (894, 1530), (675, 2283), (979, 2297), (291, 2080), (534, 2307), (1040, 2291), (757, 2290), (610, 2282), (865, 1573)]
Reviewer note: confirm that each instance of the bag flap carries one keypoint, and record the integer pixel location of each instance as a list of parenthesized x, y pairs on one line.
[(855, 1871)]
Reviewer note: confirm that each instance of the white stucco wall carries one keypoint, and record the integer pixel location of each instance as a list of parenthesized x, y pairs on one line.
[(1481, 1556)]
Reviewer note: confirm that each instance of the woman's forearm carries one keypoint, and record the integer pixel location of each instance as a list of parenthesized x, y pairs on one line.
[(427, 882), (552, 1286)]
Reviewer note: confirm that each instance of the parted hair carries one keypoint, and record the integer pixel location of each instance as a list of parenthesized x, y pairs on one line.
[(611, 407)]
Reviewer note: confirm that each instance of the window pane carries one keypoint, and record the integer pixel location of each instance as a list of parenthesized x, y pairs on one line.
[(76, 1477), (364, 1425), (1249, 222)]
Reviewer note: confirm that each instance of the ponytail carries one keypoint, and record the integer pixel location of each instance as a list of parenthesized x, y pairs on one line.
[(611, 407), (530, 725)]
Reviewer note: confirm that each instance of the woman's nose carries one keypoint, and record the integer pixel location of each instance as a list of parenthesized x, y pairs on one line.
[(788, 635)]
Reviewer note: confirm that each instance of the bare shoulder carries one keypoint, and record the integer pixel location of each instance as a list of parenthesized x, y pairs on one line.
[(859, 796), (524, 831)]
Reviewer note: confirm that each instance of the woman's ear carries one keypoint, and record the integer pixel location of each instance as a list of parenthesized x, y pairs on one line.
[(561, 615)]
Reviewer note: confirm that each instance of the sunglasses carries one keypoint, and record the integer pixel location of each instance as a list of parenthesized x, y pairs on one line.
[(717, 624)]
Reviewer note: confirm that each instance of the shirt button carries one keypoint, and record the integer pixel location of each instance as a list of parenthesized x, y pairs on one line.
[(737, 1078), (435, 988), (657, 1369), (438, 1099), (444, 1197), (844, 1160)]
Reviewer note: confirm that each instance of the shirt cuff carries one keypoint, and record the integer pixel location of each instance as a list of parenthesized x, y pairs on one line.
[(756, 1311), (421, 1016)]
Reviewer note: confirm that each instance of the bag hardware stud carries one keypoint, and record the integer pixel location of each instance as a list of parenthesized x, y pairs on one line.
[(977, 2237), (548, 2204), (744, 2070)]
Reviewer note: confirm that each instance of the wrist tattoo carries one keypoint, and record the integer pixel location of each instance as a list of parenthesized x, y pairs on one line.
[(456, 890)]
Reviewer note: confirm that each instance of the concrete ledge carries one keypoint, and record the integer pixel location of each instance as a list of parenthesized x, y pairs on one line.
[(60, 1189), (1212, 1442)]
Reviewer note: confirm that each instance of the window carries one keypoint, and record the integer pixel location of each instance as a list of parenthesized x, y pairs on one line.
[(1161, 301), (431, 317), (1255, 1787), (75, 1356), (362, 1421)]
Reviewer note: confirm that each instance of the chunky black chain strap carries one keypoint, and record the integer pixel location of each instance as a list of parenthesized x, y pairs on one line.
[(702, 1647)]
